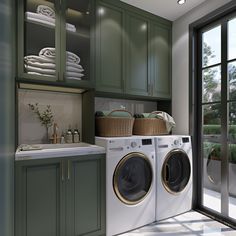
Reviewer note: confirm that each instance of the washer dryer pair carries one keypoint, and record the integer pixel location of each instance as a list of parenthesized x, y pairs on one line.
[(130, 182), (174, 175)]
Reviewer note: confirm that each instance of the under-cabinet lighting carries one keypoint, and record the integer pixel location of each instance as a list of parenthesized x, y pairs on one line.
[(101, 11), (50, 88), (181, 2)]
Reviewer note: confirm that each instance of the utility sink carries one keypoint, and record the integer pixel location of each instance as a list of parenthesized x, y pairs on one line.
[(36, 151)]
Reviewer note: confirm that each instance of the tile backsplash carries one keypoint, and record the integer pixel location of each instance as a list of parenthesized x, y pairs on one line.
[(133, 106), (66, 108)]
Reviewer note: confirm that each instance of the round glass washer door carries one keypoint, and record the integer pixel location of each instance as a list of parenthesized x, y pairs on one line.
[(133, 177), (176, 171)]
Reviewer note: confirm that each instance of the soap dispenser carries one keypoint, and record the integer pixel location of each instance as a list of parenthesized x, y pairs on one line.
[(69, 136)]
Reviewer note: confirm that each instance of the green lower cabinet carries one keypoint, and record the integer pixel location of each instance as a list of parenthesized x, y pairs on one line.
[(60, 197), (160, 56), (137, 76)]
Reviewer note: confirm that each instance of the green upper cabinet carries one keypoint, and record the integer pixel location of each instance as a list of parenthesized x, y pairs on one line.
[(160, 56), (60, 196), (109, 48), (55, 41), (137, 76), (133, 51)]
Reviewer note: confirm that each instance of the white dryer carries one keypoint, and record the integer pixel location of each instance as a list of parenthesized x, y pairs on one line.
[(130, 182), (174, 175)]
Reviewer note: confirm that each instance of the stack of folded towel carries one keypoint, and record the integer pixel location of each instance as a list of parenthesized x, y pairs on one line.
[(44, 64), (46, 15)]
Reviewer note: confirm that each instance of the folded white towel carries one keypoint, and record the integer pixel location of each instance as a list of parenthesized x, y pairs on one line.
[(74, 69), (45, 10), (40, 70), (170, 123), (40, 59), (36, 73), (72, 64), (74, 74), (35, 17), (41, 65), (71, 57), (72, 78)]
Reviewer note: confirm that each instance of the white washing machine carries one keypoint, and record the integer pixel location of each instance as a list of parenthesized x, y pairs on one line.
[(174, 175), (130, 182)]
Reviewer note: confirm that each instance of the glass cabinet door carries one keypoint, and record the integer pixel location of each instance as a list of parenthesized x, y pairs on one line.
[(39, 40), (77, 23)]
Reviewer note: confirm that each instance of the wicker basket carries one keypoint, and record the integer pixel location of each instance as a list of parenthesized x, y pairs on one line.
[(149, 126), (108, 126)]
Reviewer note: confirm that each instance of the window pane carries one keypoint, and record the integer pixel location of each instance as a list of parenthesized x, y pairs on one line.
[(211, 48), (232, 121), (232, 39), (211, 84), (212, 114), (232, 80), (212, 175)]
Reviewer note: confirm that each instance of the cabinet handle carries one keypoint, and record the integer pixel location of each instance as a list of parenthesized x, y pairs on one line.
[(68, 170), (62, 171)]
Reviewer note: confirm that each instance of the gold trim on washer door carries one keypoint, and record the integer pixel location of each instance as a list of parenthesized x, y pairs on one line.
[(163, 171), (116, 175)]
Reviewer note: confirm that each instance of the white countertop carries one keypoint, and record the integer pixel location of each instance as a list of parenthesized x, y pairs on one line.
[(41, 151)]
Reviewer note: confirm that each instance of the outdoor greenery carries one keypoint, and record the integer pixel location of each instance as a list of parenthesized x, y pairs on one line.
[(213, 151)]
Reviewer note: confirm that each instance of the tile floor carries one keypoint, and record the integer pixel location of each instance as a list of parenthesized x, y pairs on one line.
[(190, 224)]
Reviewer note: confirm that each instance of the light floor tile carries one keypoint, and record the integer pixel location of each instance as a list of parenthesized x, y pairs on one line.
[(191, 223)]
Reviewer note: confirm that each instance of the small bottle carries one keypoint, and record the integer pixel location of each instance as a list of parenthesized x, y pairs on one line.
[(76, 136), (69, 136), (62, 140)]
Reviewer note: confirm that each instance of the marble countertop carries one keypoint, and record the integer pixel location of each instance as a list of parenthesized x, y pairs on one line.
[(41, 151)]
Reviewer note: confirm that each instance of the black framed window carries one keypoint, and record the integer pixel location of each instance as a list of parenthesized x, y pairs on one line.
[(213, 112)]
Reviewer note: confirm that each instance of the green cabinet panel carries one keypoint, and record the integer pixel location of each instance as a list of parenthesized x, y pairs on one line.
[(109, 48), (133, 52), (160, 54), (38, 199), (87, 196), (137, 79), (60, 196)]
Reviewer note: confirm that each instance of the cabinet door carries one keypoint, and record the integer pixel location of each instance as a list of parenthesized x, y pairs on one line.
[(109, 48), (77, 41), (137, 76), (86, 196), (38, 40), (160, 51), (38, 198)]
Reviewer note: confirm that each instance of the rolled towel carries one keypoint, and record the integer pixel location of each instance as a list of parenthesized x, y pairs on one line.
[(50, 52), (78, 66), (35, 73), (71, 57), (41, 65), (46, 11)]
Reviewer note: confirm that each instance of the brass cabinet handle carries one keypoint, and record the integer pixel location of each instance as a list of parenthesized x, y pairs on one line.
[(62, 171), (68, 170)]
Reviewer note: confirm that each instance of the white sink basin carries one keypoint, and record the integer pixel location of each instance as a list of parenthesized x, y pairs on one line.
[(39, 151)]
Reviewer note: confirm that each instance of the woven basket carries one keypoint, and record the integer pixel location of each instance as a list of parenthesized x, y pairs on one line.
[(108, 126), (149, 126)]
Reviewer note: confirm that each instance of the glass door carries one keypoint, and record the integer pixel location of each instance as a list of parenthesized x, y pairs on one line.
[(38, 36), (217, 112), (78, 20), (133, 178)]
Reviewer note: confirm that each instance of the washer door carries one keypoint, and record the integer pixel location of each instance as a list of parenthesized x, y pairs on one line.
[(176, 171), (133, 178)]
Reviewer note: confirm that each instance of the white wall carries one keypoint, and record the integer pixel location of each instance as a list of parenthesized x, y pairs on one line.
[(180, 63)]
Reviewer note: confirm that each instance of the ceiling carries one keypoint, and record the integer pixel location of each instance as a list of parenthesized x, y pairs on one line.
[(168, 9)]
